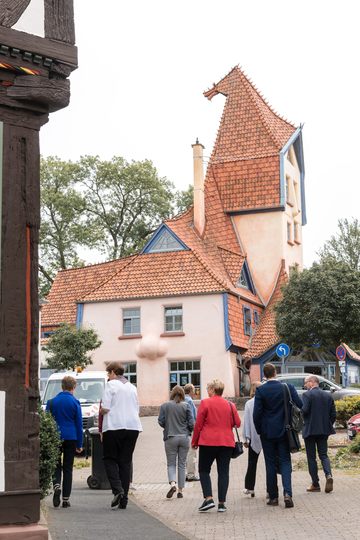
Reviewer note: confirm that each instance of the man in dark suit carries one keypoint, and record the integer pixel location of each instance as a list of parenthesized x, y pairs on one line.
[(269, 420), (319, 416)]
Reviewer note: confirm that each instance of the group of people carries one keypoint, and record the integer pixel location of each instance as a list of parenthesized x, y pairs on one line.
[(206, 433)]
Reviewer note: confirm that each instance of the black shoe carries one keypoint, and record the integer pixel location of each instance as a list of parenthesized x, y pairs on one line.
[(206, 505), (273, 502), (66, 504), (171, 492), (329, 486), (123, 502), (56, 496), (116, 500), (221, 507), (288, 502), (180, 495)]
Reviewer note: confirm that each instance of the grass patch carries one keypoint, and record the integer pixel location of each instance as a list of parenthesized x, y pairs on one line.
[(81, 463)]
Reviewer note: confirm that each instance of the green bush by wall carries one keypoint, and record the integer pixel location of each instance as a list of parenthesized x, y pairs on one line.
[(346, 408), (49, 450)]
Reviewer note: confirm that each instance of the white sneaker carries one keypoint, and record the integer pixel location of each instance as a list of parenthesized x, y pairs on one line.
[(249, 492)]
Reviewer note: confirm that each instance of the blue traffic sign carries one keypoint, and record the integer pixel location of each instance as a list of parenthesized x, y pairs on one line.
[(340, 353), (282, 350)]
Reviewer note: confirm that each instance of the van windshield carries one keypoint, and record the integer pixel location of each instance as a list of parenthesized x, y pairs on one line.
[(86, 391)]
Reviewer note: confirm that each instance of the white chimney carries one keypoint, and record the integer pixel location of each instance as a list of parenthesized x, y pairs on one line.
[(199, 197)]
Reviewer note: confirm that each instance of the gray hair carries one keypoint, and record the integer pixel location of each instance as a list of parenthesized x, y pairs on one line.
[(313, 378)]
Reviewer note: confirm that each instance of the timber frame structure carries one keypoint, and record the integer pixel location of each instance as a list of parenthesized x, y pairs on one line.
[(34, 82)]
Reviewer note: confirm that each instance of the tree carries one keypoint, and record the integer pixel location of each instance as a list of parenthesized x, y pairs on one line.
[(69, 346), (63, 229), (184, 199), (320, 306), (125, 202), (345, 245)]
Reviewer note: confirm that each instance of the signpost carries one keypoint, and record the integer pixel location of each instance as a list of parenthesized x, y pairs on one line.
[(341, 356), (282, 351)]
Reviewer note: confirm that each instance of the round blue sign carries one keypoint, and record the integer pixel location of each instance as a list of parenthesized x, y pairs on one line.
[(340, 353), (282, 350)]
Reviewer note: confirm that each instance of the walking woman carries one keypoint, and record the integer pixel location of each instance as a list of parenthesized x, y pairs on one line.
[(252, 442), (177, 420), (213, 434)]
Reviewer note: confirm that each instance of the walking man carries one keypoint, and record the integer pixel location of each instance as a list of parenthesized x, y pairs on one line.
[(67, 413), (121, 426), (319, 416), (269, 420), (191, 461)]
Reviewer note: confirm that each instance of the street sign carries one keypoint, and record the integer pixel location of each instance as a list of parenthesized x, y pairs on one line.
[(342, 363), (282, 350), (340, 353)]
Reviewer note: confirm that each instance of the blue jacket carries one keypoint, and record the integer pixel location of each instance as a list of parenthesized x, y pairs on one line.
[(192, 405), (67, 413), (269, 411), (319, 413)]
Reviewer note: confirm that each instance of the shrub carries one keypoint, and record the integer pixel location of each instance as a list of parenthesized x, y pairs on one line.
[(49, 451), (354, 447), (346, 408)]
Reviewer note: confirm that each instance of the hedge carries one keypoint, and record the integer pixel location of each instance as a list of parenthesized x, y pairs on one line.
[(49, 451), (346, 408)]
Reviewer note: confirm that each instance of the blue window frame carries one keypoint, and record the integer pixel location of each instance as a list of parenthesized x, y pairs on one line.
[(256, 317), (247, 321), (131, 321)]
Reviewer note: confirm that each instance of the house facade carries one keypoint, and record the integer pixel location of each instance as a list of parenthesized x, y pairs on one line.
[(197, 302)]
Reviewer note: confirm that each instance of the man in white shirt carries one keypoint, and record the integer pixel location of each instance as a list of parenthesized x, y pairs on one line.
[(121, 427)]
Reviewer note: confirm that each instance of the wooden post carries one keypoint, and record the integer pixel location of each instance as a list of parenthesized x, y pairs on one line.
[(33, 83)]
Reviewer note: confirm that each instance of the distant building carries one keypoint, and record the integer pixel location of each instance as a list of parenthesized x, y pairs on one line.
[(197, 302)]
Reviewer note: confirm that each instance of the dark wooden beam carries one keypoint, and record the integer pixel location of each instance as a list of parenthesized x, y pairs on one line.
[(11, 11), (59, 20), (55, 93), (62, 52)]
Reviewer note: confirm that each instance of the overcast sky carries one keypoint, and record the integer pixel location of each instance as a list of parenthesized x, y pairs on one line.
[(143, 67)]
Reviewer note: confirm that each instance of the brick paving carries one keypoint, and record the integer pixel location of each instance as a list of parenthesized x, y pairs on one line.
[(318, 515)]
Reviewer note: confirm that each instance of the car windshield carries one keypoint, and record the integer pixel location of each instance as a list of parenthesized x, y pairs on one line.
[(86, 391)]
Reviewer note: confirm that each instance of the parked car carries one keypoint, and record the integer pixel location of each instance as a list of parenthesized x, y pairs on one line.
[(298, 380), (353, 426)]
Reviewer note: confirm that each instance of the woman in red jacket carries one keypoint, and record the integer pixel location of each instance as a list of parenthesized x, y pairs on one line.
[(213, 434)]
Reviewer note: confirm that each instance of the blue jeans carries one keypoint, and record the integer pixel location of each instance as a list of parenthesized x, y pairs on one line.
[(320, 442), (277, 458)]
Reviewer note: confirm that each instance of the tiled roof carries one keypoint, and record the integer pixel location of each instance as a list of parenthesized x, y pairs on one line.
[(266, 336), (158, 274), (245, 160), (71, 285)]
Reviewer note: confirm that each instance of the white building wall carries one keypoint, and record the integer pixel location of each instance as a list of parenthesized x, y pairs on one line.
[(203, 326)]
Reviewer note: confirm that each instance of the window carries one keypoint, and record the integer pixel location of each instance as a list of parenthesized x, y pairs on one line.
[(165, 242), (287, 190), (184, 372), (247, 321), (256, 317), (131, 321), (173, 319), (130, 372)]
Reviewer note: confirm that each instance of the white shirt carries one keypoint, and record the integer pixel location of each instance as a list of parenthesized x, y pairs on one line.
[(122, 402), (249, 431)]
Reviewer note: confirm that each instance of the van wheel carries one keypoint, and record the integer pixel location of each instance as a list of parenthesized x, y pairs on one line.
[(93, 482)]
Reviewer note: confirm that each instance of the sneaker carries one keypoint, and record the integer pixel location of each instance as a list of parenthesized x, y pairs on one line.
[(192, 478), (329, 485), (221, 507), (56, 496), (288, 502), (123, 502), (171, 492), (116, 500), (206, 505), (313, 488), (66, 504), (249, 492), (180, 495), (273, 502)]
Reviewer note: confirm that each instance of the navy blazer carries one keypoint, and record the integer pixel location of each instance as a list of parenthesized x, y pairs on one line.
[(269, 411), (319, 412)]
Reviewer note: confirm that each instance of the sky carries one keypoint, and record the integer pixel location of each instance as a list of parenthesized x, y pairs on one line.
[(144, 65)]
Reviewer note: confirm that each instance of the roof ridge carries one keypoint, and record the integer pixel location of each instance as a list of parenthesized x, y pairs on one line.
[(231, 251), (96, 264), (209, 269), (179, 216)]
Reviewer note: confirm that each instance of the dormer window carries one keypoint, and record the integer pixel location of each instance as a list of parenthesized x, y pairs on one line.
[(164, 240), (245, 279)]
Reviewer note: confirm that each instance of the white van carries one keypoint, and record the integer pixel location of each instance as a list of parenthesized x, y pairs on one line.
[(89, 390)]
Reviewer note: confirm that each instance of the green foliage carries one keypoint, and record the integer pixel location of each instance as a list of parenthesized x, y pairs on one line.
[(345, 245), (320, 305), (354, 446), (184, 199), (49, 450), (68, 347), (346, 408)]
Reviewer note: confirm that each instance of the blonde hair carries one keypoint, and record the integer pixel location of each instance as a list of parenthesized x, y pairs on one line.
[(217, 386), (254, 386)]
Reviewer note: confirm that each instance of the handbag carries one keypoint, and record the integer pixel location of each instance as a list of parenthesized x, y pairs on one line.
[(296, 419), (291, 433), (238, 448)]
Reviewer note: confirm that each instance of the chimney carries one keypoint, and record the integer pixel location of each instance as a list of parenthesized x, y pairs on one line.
[(199, 197)]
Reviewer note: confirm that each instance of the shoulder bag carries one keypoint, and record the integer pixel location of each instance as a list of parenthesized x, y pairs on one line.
[(238, 448), (291, 433)]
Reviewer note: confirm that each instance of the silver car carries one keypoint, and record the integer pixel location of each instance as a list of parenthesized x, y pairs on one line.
[(298, 380)]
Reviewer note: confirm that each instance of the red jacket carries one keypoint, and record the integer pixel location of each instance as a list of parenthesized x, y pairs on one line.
[(214, 423)]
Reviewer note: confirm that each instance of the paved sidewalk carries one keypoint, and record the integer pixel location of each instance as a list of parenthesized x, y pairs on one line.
[(317, 515)]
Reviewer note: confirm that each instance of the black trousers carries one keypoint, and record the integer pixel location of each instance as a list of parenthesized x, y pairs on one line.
[(222, 455), (65, 466), (118, 448), (321, 443), (250, 477)]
